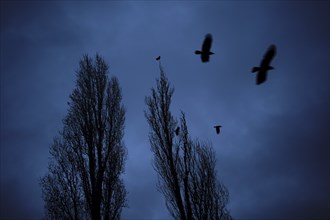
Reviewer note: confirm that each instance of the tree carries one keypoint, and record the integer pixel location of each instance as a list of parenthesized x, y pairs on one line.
[(186, 168), (87, 158), (60, 187)]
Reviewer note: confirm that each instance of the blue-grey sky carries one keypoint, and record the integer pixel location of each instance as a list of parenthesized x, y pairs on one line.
[(273, 153)]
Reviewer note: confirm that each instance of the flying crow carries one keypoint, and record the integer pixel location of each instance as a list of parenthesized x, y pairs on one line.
[(265, 65), (217, 128), (205, 53)]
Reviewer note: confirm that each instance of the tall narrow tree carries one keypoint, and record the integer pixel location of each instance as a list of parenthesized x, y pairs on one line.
[(91, 147), (186, 168)]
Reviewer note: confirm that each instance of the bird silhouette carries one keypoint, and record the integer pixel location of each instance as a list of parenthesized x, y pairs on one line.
[(177, 131), (265, 65), (158, 58), (205, 53), (217, 128)]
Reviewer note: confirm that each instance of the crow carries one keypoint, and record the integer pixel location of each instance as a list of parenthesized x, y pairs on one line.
[(158, 58), (177, 131), (265, 65), (217, 128), (205, 53)]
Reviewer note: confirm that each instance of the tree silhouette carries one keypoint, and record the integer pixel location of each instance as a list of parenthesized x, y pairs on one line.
[(60, 187), (186, 168), (87, 157)]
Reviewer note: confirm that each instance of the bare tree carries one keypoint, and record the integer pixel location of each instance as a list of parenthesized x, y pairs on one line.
[(60, 187), (90, 153), (186, 168), (209, 197)]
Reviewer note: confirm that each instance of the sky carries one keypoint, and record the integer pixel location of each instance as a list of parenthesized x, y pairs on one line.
[(273, 152)]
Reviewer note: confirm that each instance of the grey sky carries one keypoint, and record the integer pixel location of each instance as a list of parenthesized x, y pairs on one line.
[(274, 148)]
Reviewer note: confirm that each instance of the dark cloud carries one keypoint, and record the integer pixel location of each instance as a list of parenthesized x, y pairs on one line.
[(273, 150)]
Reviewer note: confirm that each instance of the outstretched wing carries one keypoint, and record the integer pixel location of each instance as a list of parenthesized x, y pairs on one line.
[(269, 55), (207, 43)]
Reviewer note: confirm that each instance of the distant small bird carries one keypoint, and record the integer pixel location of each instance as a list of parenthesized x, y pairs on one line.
[(265, 65), (205, 53), (177, 131), (217, 128), (158, 58)]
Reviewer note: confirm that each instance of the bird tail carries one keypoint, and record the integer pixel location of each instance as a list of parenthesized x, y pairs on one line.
[(255, 69), (198, 52)]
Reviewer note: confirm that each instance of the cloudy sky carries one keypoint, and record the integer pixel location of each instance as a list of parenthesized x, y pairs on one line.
[(273, 153)]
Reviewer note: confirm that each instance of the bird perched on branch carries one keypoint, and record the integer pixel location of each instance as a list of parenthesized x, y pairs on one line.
[(177, 131), (206, 49), (158, 58), (265, 65)]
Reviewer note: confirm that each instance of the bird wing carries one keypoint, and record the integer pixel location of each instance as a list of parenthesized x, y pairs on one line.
[(269, 55), (261, 77), (207, 43)]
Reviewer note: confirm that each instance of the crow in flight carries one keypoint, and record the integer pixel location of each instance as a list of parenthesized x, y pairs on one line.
[(265, 65), (177, 131), (217, 128), (158, 58), (205, 53)]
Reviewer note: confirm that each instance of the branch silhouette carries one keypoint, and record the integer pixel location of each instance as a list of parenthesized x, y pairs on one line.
[(87, 158), (186, 168)]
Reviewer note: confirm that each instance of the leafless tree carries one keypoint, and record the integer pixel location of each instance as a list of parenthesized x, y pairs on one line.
[(60, 187), (89, 154), (186, 168)]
